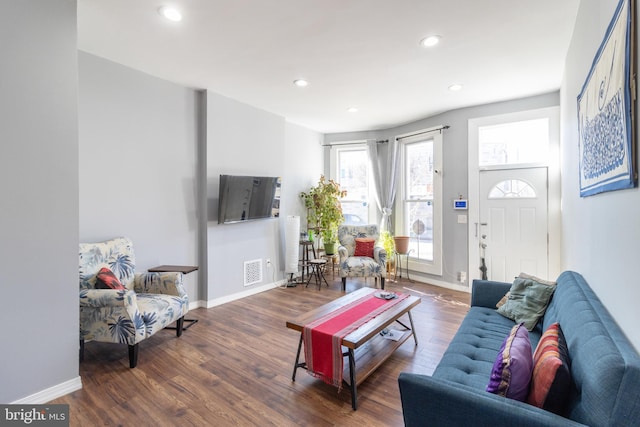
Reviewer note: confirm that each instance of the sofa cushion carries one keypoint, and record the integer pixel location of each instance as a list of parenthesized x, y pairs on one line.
[(527, 301), (105, 279), (551, 379), (511, 373)]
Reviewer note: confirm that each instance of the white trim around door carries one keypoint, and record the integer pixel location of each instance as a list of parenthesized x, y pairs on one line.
[(553, 164)]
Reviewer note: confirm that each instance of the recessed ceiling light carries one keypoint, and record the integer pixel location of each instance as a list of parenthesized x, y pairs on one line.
[(430, 41), (352, 109), (455, 87), (301, 82), (172, 14)]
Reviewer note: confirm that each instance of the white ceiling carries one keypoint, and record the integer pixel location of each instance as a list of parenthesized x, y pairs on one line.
[(362, 53)]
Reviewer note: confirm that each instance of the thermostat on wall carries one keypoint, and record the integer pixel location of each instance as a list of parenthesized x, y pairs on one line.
[(460, 204)]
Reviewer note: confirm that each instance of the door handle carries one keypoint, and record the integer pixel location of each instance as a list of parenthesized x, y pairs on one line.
[(476, 224)]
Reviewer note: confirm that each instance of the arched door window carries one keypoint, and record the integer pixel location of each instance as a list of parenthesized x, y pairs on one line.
[(512, 188)]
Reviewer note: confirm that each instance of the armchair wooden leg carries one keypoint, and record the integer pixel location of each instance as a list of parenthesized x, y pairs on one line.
[(133, 355), (382, 283), (81, 350), (179, 326), (344, 284)]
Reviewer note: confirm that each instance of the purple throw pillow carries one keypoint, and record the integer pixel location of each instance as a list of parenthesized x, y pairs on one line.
[(511, 373)]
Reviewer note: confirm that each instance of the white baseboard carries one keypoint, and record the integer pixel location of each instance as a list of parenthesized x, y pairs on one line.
[(440, 283), (51, 393), (197, 304), (239, 295)]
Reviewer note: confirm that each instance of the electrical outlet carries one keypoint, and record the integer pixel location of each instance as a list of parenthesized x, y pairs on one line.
[(268, 262), (462, 276)]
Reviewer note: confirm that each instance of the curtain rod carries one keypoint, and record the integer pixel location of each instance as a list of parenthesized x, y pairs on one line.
[(440, 128), (331, 144)]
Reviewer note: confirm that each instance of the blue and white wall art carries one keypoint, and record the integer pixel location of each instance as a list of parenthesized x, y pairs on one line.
[(605, 108)]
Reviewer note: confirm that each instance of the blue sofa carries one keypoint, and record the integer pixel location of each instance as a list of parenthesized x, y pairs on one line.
[(605, 368)]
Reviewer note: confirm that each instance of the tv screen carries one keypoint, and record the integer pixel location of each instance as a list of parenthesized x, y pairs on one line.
[(245, 198)]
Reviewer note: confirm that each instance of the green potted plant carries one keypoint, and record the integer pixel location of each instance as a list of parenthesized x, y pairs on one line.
[(324, 211), (388, 243)]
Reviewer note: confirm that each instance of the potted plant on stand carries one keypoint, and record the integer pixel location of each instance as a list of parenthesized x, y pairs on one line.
[(402, 244), (324, 211), (387, 242)]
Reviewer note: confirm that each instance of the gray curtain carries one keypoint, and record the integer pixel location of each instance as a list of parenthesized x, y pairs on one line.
[(384, 169)]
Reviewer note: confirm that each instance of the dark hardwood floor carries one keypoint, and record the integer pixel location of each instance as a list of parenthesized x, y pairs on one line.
[(234, 367)]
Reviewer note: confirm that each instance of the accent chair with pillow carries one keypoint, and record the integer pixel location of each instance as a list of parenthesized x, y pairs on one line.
[(359, 257), (118, 305)]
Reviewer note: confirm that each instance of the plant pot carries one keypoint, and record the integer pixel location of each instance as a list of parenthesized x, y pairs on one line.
[(330, 248), (402, 244)]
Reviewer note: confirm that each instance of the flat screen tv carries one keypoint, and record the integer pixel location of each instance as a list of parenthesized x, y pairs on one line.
[(246, 198)]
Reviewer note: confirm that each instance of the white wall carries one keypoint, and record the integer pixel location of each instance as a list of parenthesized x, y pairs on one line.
[(243, 140), (39, 213), (600, 233), (139, 168), (138, 164), (303, 155)]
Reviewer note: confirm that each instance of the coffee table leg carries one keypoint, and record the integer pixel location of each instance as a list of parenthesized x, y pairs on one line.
[(352, 377), (413, 329), (296, 365)]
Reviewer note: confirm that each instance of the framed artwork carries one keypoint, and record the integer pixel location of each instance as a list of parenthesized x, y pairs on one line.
[(606, 110)]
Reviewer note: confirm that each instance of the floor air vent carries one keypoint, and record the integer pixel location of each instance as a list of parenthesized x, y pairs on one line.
[(252, 272)]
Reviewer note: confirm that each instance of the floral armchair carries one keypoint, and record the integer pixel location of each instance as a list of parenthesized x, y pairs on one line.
[(360, 266), (138, 307)]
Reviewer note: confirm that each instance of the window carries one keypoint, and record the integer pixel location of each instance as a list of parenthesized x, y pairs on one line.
[(512, 143), (352, 173), (418, 209), (420, 202), (512, 188)]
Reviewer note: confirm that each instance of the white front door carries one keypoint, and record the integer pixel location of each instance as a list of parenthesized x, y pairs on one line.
[(513, 225)]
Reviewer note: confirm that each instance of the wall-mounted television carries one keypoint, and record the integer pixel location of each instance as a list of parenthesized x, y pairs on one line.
[(246, 198)]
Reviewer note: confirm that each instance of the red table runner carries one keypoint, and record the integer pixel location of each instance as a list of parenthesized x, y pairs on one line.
[(323, 337)]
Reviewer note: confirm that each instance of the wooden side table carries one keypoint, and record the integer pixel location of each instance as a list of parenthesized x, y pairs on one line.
[(184, 269)]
